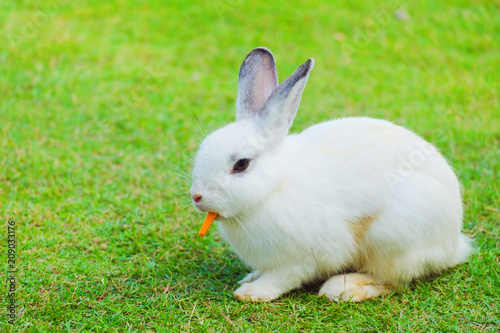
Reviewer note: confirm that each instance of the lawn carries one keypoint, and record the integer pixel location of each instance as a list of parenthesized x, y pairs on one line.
[(103, 105)]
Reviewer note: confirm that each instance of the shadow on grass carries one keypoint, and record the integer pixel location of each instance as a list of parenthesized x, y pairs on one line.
[(210, 269)]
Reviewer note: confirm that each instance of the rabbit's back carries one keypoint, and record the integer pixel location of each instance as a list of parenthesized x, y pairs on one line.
[(372, 151)]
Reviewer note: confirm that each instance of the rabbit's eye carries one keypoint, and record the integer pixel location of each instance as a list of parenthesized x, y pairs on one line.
[(241, 165)]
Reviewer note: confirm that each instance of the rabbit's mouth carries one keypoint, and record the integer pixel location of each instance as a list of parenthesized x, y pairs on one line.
[(200, 207), (205, 209)]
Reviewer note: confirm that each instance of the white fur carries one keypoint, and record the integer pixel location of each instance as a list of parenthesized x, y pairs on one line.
[(290, 215)]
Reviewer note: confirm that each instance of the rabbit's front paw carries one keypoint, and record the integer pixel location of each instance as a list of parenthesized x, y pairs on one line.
[(257, 292), (250, 277)]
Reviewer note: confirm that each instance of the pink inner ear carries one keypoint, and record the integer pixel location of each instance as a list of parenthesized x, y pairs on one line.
[(264, 84), (266, 81)]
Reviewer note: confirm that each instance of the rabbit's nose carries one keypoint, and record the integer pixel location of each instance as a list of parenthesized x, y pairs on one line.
[(197, 197)]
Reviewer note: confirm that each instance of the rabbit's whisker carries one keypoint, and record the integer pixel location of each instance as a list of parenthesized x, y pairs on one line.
[(246, 230), (177, 169), (199, 124)]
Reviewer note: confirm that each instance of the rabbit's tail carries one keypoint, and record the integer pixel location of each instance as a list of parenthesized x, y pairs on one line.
[(464, 248)]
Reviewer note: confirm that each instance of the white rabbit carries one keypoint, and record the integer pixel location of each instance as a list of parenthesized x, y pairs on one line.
[(353, 195)]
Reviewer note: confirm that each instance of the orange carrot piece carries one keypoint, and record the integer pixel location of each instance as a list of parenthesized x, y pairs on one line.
[(206, 224)]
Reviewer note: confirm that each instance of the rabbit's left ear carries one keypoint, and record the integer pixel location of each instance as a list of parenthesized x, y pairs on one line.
[(257, 80), (281, 107)]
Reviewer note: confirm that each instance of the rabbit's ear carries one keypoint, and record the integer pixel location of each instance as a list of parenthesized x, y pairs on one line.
[(282, 105), (257, 80)]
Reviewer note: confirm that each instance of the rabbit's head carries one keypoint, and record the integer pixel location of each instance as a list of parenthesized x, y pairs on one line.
[(240, 165)]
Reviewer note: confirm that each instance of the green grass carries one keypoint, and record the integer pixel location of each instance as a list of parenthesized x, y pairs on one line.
[(98, 99)]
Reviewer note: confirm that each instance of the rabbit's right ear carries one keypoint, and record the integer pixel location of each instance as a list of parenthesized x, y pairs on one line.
[(257, 80)]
